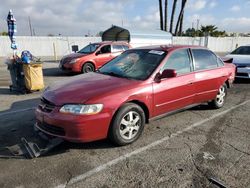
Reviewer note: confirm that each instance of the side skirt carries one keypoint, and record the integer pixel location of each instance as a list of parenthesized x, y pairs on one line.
[(173, 112)]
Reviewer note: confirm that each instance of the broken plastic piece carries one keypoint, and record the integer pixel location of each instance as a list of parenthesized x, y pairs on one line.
[(33, 150), (217, 182)]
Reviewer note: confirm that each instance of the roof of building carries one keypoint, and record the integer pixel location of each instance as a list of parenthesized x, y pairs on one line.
[(116, 33)]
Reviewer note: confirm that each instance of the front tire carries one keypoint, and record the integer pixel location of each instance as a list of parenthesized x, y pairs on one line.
[(88, 67), (127, 125), (219, 101)]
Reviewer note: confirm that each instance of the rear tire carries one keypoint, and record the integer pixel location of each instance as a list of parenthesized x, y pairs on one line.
[(219, 101), (88, 67), (127, 125)]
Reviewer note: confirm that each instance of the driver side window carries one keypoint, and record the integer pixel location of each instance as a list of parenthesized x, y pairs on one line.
[(179, 61), (106, 49)]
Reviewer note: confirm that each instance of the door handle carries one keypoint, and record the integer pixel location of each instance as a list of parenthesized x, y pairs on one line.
[(190, 82)]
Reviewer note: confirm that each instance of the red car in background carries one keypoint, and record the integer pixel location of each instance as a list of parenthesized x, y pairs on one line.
[(92, 56), (137, 86)]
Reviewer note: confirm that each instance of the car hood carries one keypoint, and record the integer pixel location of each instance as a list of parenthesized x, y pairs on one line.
[(79, 89), (68, 58), (240, 59)]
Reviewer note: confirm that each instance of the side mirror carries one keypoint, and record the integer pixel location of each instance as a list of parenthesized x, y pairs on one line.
[(74, 48), (98, 52), (167, 73), (227, 60)]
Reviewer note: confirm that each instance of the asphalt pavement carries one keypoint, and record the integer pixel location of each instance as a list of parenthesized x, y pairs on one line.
[(194, 148)]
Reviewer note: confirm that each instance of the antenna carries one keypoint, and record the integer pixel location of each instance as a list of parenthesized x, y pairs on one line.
[(30, 27)]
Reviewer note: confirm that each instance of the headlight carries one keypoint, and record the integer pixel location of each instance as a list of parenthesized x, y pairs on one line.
[(73, 61), (81, 109)]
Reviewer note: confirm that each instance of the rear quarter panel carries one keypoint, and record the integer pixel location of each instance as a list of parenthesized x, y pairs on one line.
[(230, 68)]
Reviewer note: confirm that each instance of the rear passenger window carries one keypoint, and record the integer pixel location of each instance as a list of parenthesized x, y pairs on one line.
[(179, 61), (220, 62), (125, 47), (204, 59), (117, 48)]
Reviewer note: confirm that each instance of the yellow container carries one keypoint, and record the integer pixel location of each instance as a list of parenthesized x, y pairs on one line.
[(33, 76)]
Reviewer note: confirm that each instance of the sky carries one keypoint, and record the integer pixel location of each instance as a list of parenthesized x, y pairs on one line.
[(81, 17)]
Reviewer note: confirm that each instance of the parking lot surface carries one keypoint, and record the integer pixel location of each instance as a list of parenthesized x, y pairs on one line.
[(186, 149)]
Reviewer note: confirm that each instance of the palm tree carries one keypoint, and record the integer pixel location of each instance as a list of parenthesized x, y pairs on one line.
[(161, 16), (180, 15), (181, 25), (208, 29), (172, 16), (166, 16)]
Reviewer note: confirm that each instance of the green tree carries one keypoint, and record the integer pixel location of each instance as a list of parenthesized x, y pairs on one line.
[(208, 29), (50, 35), (190, 32), (4, 33)]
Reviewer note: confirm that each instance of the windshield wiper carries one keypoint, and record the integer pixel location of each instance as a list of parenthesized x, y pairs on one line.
[(114, 74)]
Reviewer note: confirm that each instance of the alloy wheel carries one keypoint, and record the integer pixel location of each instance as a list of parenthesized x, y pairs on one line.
[(221, 95), (130, 125)]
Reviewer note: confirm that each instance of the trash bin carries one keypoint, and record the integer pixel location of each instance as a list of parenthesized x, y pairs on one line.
[(33, 76), (17, 76)]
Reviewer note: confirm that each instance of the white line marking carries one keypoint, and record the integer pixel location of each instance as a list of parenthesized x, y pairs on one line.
[(142, 149), (17, 111)]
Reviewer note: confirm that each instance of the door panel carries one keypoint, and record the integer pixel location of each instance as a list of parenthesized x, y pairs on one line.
[(206, 85), (102, 59), (207, 76), (173, 93)]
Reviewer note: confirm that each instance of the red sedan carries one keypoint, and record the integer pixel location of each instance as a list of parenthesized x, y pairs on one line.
[(137, 86)]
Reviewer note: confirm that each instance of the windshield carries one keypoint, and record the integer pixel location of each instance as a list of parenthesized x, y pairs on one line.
[(134, 64), (243, 50), (89, 49)]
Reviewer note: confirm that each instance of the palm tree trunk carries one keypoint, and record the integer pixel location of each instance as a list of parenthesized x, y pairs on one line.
[(172, 16), (161, 15), (181, 25), (166, 16), (180, 15)]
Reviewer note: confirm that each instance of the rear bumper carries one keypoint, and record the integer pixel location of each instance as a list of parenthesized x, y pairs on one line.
[(243, 72)]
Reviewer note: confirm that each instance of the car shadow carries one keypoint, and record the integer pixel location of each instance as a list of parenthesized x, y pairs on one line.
[(7, 91), (242, 81), (67, 146), (18, 122), (56, 72), (200, 107)]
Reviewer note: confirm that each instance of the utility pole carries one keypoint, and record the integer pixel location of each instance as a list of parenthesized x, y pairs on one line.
[(197, 27), (30, 27)]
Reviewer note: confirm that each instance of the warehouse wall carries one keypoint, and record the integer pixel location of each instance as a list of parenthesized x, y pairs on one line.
[(55, 47), (45, 46), (216, 44)]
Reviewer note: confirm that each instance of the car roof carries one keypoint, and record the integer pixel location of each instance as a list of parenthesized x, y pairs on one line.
[(111, 42), (169, 48), (245, 45)]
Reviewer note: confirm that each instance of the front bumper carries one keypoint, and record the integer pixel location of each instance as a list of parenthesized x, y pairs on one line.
[(243, 72), (70, 67), (75, 128)]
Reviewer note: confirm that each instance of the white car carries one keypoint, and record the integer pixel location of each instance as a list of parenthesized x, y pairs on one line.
[(241, 59)]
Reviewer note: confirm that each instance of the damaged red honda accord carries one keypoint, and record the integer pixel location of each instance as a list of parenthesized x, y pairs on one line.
[(137, 86)]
